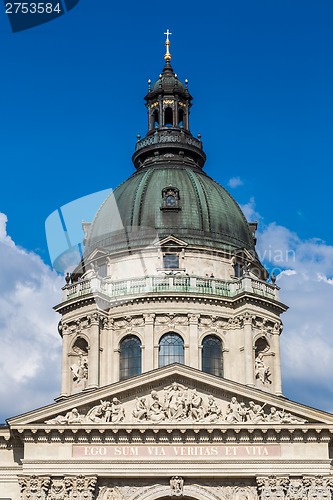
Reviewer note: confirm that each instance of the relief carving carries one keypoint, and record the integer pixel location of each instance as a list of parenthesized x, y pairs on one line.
[(58, 491), (46, 488), (176, 486), (306, 488), (178, 403), (33, 487), (80, 487)]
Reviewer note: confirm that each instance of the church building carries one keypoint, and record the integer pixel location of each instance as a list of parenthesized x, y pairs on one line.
[(170, 331)]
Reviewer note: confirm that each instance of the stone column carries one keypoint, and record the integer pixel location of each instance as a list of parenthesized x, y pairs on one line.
[(148, 351), (193, 352), (65, 372), (93, 355), (248, 350), (275, 346)]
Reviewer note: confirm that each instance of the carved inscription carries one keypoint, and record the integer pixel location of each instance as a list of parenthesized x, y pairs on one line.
[(142, 451)]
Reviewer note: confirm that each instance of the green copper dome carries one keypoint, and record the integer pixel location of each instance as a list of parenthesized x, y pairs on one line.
[(205, 216), (169, 195)]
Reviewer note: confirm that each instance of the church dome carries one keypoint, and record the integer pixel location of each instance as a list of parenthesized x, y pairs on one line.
[(205, 214), (170, 195)]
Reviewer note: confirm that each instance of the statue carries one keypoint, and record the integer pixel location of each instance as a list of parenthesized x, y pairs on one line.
[(262, 372), (80, 371)]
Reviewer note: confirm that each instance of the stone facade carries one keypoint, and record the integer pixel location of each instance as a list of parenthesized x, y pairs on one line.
[(171, 378)]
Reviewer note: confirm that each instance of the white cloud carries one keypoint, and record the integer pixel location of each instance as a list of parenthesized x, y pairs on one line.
[(30, 358), (306, 270), (250, 212), (234, 182)]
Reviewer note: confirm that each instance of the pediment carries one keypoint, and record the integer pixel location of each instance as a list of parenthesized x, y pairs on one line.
[(175, 395), (171, 241), (97, 253)]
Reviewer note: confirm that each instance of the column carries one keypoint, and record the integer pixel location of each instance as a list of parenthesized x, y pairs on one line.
[(93, 355), (248, 350), (275, 346), (193, 352), (65, 380), (148, 351)]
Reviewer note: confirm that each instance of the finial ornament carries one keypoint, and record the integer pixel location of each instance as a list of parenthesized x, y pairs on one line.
[(167, 56)]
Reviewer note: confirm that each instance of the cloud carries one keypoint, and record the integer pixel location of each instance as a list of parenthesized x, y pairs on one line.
[(250, 212), (30, 359), (305, 279), (234, 182)]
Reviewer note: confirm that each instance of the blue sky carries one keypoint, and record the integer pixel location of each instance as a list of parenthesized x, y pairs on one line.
[(261, 75)]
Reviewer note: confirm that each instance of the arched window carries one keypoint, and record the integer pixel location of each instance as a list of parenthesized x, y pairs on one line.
[(155, 119), (180, 118), (168, 117), (130, 357), (171, 349), (212, 358)]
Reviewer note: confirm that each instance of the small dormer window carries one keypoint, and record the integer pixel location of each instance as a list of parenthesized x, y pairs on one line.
[(170, 199)]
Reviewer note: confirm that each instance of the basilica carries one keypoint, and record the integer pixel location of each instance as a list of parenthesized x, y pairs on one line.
[(170, 328)]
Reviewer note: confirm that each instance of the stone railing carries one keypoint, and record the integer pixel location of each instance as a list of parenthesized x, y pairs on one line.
[(170, 284), (167, 137)]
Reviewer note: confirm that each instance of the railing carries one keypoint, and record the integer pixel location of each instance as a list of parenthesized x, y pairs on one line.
[(167, 137), (170, 284)]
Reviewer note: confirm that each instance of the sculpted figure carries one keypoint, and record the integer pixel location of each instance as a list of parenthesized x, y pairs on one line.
[(262, 371), (213, 412), (98, 413), (274, 416), (156, 411), (140, 410), (194, 405), (117, 412), (255, 413), (175, 402), (233, 411), (288, 418), (71, 417), (80, 370)]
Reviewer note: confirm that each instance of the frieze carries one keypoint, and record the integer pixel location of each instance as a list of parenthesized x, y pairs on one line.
[(303, 488), (178, 403), (65, 488)]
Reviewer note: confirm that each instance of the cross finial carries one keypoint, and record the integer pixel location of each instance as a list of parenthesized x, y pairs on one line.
[(167, 33), (167, 56)]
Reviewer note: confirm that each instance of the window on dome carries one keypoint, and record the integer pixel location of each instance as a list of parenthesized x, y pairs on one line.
[(212, 357), (171, 349), (130, 357), (171, 261), (168, 117)]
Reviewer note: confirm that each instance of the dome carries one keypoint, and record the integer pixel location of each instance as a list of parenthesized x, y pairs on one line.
[(205, 216), (168, 82)]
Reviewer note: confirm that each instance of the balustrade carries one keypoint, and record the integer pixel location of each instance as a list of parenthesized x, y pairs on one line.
[(170, 283)]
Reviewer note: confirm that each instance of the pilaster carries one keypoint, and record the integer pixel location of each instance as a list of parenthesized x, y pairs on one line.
[(94, 351)]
